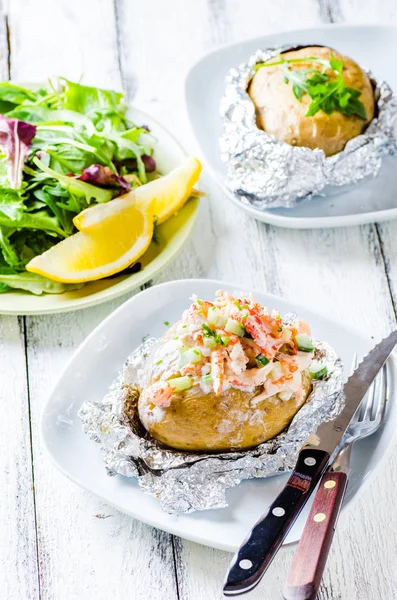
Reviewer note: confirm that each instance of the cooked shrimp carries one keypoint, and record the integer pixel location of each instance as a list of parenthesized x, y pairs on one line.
[(197, 312), (160, 393), (218, 369), (251, 350), (251, 377), (191, 369), (301, 326), (238, 359)]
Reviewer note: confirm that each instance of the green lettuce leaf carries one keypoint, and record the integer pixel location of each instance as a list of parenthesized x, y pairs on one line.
[(34, 283), (11, 202), (36, 220), (11, 95)]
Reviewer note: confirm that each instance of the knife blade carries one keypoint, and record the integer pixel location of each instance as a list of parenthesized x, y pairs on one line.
[(254, 556)]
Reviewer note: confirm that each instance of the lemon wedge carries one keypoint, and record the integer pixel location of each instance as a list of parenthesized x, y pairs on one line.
[(165, 196), (109, 249)]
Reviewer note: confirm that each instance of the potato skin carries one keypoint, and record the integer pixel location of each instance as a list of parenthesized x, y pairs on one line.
[(278, 112), (205, 422)]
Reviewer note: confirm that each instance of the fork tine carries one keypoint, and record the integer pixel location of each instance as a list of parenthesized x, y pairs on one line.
[(380, 408), (370, 400)]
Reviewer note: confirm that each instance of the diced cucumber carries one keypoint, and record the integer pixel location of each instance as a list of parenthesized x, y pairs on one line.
[(193, 355), (286, 395), (304, 342), (286, 335), (181, 383), (235, 327), (318, 370), (209, 342), (261, 360), (182, 347), (215, 318), (277, 371)]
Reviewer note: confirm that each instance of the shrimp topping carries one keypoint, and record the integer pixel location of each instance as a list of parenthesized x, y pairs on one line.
[(218, 370), (160, 394), (234, 342)]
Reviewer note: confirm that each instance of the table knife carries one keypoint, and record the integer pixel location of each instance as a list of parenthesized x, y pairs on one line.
[(254, 556)]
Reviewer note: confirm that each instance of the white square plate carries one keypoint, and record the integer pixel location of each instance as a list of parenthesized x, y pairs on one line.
[(97, 362), (374, 48)]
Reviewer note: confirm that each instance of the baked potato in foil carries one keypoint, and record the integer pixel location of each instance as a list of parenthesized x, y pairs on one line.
[(281, 113), (228, 376)]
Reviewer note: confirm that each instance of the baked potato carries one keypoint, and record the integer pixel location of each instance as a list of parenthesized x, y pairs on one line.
[(280, 113), (228, 376)]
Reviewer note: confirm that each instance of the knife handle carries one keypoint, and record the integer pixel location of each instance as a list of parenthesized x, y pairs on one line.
[(306, 571), (257, 551)]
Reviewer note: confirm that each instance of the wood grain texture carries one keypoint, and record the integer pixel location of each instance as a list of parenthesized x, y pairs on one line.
[(86, 549), (18, 549), (18, 552)]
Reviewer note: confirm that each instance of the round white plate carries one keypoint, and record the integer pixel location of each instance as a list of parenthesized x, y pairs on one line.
[(371, 200), (172, 234), (97, 362)]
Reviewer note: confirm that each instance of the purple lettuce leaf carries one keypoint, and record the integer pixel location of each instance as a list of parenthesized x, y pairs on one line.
[(104, 177), (15, 141), (149, 162)]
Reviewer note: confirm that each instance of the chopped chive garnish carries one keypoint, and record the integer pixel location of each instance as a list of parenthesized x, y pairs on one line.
[(159, 362), (196, 352), (244, 317), (278, 317), (184, 326), (237, 303), (225, 341), (166, 323), (176, 337), (261, 360), (145, 338), (199, 302), (280, 329), (211, 333)]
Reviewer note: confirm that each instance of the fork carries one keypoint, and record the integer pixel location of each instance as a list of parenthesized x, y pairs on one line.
[(306, 571)]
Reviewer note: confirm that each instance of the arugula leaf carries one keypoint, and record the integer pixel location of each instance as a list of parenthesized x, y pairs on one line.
[(77, 188), (41, 115), (327, 95), (336, 65)]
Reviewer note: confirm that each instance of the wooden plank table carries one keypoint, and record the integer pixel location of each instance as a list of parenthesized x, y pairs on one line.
[(58, 542)]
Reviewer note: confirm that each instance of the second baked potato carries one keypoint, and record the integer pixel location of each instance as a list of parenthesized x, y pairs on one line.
[(281, 114)]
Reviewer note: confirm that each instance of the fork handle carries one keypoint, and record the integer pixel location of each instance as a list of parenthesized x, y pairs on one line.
[(304, 576)]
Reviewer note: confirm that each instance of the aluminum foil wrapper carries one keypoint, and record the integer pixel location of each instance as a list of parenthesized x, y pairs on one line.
[(188, 481), (267, 173)]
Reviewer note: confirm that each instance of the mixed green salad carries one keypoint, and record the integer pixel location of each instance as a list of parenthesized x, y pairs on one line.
[(62, 148)]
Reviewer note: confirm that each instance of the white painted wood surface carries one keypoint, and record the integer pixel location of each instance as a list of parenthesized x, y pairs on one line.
[(58, 542)]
